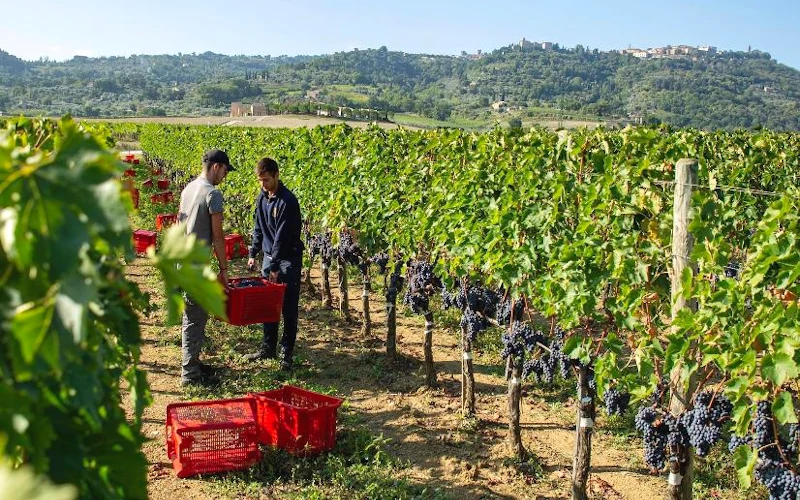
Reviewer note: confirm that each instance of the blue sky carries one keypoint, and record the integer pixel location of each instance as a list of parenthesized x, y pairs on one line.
[(60, 30)]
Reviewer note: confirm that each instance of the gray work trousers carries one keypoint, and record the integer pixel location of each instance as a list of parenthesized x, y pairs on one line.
[(193, 334)]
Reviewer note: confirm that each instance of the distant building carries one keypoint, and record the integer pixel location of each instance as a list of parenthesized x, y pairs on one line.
[(525, 44), (258, 109), (707, 48), (546, 45), (237, 109)]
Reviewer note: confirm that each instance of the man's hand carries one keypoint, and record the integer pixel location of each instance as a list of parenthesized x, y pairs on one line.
[(223, 278), (251, 264), (273, 276)]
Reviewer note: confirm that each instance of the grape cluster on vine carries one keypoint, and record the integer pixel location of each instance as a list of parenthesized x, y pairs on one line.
[(504, 311), (473, 323), (654, 431), (616, 401), (699, 428), (422, 283), (777, 454), (322, 245), (381, 260), (703, 423), (519, 339), (348, 248)]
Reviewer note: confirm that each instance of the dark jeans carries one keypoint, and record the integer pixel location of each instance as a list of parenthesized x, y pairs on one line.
[(289, 273)]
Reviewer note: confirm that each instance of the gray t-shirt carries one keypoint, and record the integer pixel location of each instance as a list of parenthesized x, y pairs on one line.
[(199, 200)]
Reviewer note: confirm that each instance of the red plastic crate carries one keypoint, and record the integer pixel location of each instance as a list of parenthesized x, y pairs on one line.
[(164, 197), (148, 184), (212, 436), (254, 300), (296, 420), (235, 247), (129, 158), (163, 183), (136, 161), (143, 239), (130, 173), (165, 220)]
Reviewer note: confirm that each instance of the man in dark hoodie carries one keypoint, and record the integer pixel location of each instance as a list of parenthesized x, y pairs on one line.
[(276, 233)]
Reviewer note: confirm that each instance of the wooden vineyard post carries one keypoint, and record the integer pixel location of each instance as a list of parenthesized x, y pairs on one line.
[(583, 435), (514, 397), (430, 369), (680, 475), (391, 314), (366, 326), (467, 376), (344, 302), (326, 285)]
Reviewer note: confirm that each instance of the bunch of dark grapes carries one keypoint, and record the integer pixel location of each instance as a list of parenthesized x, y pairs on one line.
[(654, 432), (764, 438), (455, 299), (782, 483), (557, 352), (519, 339), (422, 283), (421, 278), (419, 303), (322, 245), (473, 323), (772, 470), (381, 260), (677, 437), (732, 270), (616, 401), (703, 423), (349, 249), (491, 299), (542, 368), (737, 441), (503, 311)]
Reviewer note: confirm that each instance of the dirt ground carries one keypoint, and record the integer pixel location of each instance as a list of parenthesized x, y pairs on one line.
[(423, 424)]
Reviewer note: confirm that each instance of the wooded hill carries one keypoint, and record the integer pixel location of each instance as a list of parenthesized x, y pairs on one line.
[(723, 90)]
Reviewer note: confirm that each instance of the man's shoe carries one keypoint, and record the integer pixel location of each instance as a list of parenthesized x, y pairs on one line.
[(260, 354), (209, 369), (204, 380)]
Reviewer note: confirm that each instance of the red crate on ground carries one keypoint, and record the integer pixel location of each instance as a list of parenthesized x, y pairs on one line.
[(296, 420), (129, 158), (165, 197), (143, 239), (148, 183), (254, 300), (212, 436), (130, 173), (136, 161), (163, 183), (165, 220), (135, 197), (235, 247)]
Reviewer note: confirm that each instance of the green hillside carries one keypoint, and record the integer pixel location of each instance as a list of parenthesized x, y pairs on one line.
[(705, 90)]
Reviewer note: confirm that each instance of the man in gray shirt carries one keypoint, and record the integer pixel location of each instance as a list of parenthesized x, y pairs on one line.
[(201, 209)]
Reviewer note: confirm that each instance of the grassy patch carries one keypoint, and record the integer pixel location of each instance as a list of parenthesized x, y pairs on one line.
[(357, 468)]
